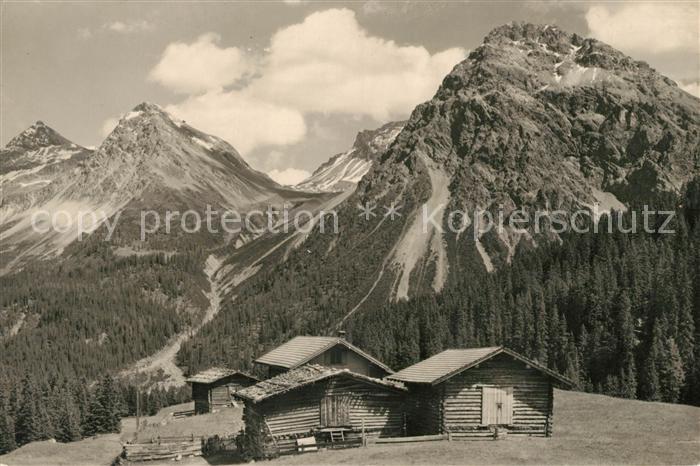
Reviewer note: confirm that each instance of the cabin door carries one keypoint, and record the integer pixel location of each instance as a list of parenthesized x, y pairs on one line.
[(496, 405), (335, 411)]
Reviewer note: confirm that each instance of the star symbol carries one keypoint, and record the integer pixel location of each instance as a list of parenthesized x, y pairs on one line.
[(392, 211), (367, 210)]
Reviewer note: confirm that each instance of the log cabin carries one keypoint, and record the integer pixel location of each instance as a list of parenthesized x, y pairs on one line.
[(335, 352), (216, 387), (319, 405), (479, 392)]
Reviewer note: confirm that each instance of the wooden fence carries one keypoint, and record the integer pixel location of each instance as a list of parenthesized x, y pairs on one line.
[(419, 438), (181, 414), (163, 448)]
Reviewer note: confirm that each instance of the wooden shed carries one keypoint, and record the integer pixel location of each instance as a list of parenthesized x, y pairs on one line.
[(319, 405), (333, 352), (215, 388), (468, 392)]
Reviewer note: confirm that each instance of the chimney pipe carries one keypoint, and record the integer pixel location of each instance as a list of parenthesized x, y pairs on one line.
[(341, 334)]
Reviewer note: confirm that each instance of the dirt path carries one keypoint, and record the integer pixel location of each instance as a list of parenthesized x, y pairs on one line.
[(162, 366)]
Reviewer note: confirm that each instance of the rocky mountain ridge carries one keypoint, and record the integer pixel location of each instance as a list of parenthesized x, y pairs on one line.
[(535, 118), (343, 171), (149, 161), (538, 118)]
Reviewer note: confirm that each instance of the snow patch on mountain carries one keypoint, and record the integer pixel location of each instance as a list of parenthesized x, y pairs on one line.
[(343, 171), (201, 142)]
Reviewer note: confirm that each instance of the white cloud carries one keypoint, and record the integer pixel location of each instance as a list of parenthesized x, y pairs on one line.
[(108, 125), (646, 27), (128, 27), (691, 88), (84, 33), (329, 64), (325, 64), (243, 121), (200, 66), (289, 176)]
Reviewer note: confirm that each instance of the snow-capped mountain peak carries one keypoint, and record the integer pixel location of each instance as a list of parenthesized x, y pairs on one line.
[(36, 136), (343, 171)]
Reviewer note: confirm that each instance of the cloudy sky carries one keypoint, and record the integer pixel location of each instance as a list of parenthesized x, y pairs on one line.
[(288, 83)]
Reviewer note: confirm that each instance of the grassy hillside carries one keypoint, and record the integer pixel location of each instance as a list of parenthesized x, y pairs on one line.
[(589, 429)]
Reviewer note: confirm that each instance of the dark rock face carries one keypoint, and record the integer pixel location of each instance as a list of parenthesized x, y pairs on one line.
[(537, 110), (36, 136)]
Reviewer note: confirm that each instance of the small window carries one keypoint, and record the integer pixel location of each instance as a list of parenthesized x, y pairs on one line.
[(337, 356)]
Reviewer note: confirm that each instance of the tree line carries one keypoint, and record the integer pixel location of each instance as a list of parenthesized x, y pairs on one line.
[(617, 313), (68, 410)]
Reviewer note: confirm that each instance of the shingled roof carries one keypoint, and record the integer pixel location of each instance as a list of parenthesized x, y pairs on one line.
[(303, 376), (300, 350), (451, 362), (216, 373)]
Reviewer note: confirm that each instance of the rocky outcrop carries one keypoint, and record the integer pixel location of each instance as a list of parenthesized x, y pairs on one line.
[(343, 171)]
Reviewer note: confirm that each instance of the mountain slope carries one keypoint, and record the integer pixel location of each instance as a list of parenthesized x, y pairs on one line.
[(31, 161), (535, 118), (343, 171), (120, 293), (150, 161)]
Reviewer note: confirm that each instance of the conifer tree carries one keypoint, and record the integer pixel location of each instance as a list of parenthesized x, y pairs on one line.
[(7, 433), (540, 340), (110, 405), (671, 374), (29, 425), (68, 424), (626, 349), (649, 386), (7, 426)]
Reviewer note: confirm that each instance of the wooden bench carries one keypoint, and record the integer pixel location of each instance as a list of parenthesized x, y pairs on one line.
[(306, 444)]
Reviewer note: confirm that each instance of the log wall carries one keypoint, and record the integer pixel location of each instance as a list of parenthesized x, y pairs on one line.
[(351, 361), (532, 398), (424, 410), (297, 413), (208, 397)]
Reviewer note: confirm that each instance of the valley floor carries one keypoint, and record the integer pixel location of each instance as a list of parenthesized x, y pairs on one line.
[(589, 429)]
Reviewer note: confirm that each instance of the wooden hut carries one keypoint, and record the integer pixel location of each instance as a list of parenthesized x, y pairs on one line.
[(333, 352), (215, 388), (317, 405), (470, 392)]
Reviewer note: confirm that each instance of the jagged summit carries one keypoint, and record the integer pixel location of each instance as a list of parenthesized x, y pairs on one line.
[(538, 118), (343, 171), (36, 136), (551, 34), (530, 57), (150, 134), (148, 106), (149, 160)]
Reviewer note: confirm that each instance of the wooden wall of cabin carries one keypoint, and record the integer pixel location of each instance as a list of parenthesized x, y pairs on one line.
[(217, 394), (222, 389), (349, 360), (532, 398), (298, 412), (424, 410)]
